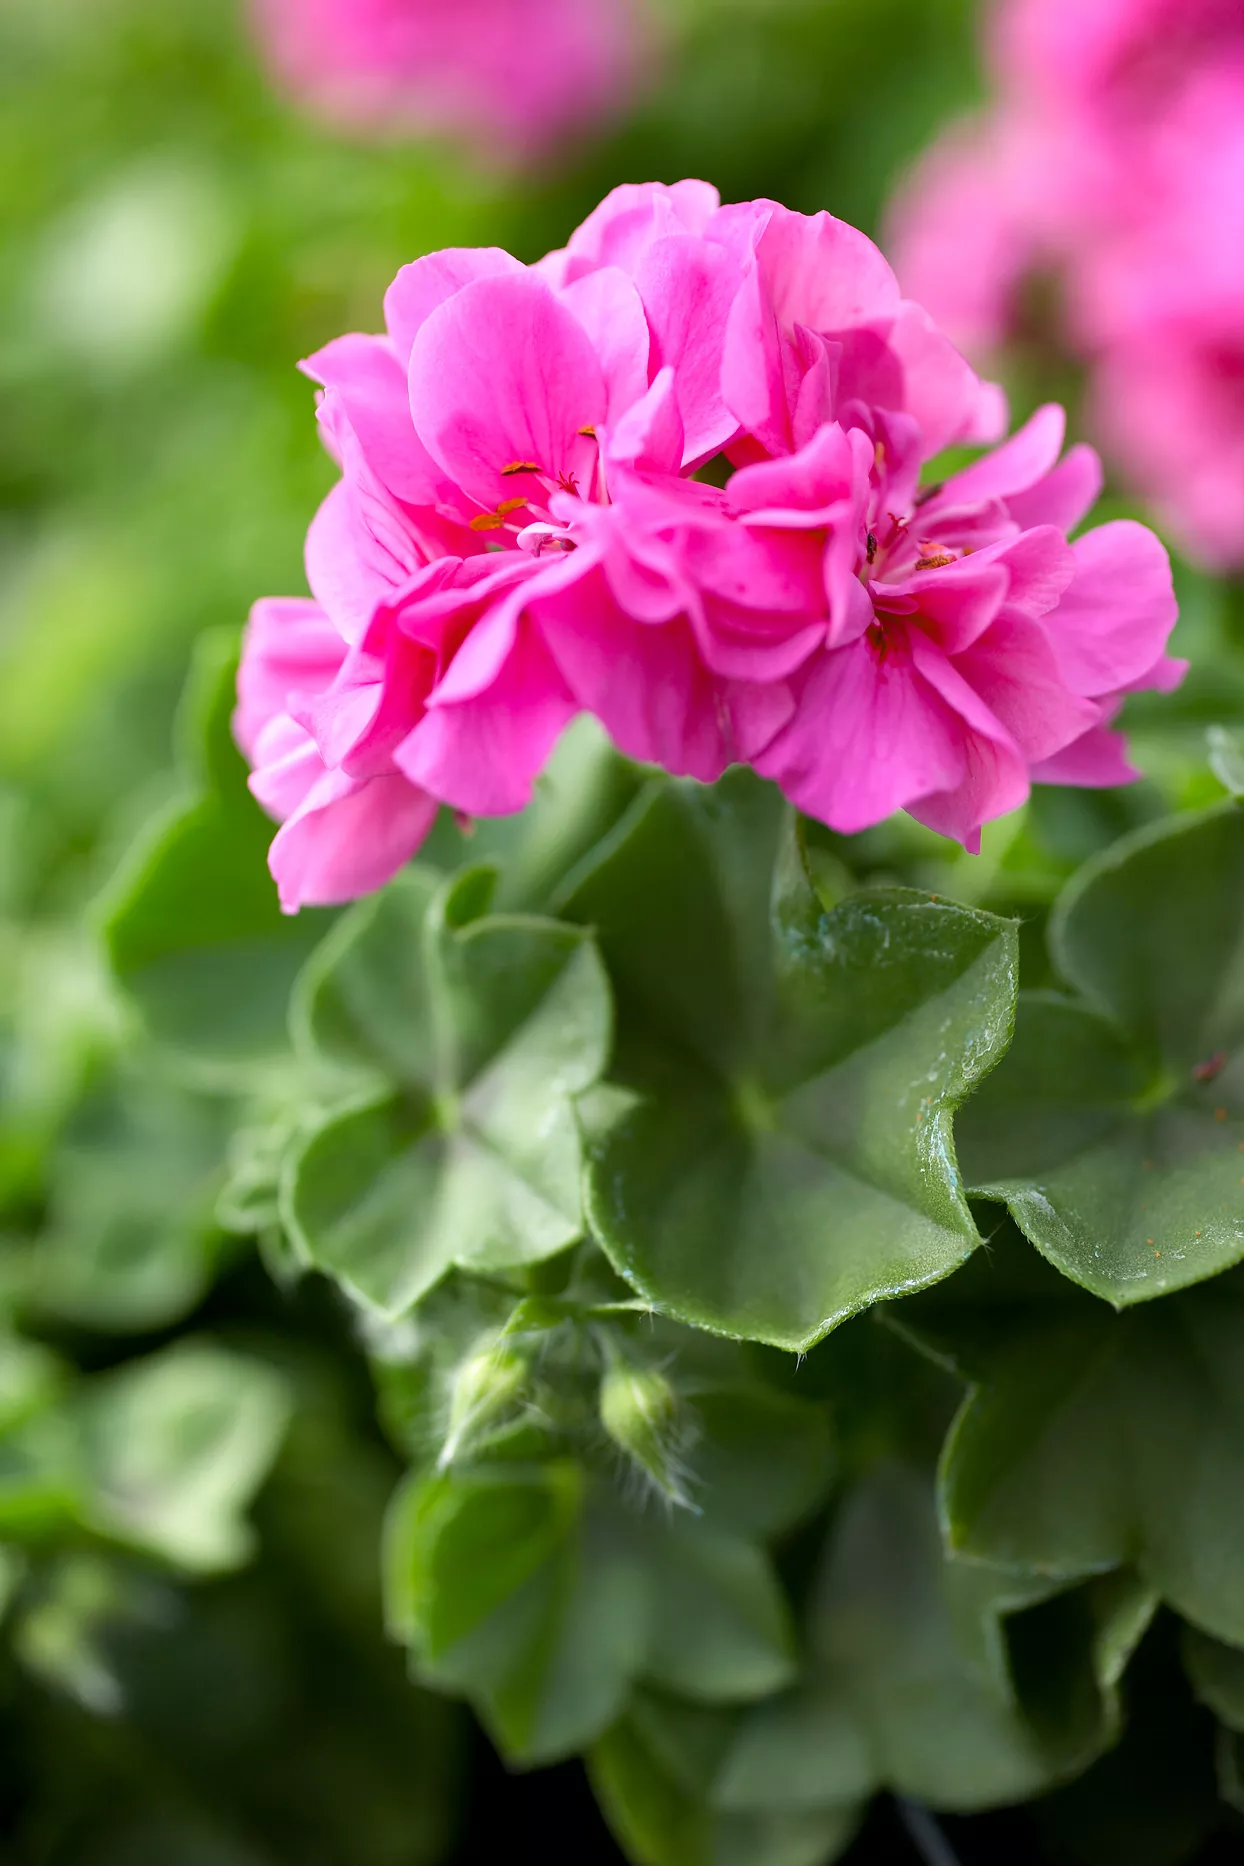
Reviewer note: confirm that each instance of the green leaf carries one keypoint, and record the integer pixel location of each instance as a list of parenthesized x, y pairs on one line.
[(191, 920), (60, 1020), (679, 894), (516, 1593), (1230, 1760), (1114, 1128), (721, 1630), (60, 1637), (176, 1445), (41, 1479), (1217, 1675), (911, 1685), (1090, 1439), (1226, 758), (655, 1818), (763, 1461), (363, 1002), (652, 1773), (129, 1241), (466, 1543), (466, 1036), (775, 1150), (534, 1592), (1152, 1798), (576, 800)]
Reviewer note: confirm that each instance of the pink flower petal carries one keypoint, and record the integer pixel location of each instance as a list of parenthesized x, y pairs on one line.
[(347, 838), (1014, 670), (646, 683), (359, 550), (1113, 622), (511, 79), (628, 220), (1097, 760), (650, 436), (610, 310), (995, 776), (370, 385), (905, 363), (1016, 467), (869, 737), (503, 374), (1065, 496), (688, 286), (483, 754), (287, 767), (422, 287), (290, 646)]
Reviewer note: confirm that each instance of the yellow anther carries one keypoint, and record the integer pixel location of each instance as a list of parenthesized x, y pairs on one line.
[(519, 466), (493, 521)]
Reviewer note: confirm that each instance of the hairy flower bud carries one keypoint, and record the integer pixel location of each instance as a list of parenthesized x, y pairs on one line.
[(485, 1386), (640, 1411)]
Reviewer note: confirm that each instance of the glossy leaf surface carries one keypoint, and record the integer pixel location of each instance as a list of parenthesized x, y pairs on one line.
[(1114, 1127), (775, 1150)]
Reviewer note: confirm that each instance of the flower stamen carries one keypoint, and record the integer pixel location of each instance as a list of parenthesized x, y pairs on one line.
[(493, 521)]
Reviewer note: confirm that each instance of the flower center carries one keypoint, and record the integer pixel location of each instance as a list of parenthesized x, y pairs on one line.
[(534, 486), (891, 552)]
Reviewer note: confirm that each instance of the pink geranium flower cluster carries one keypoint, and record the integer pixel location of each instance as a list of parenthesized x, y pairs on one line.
[(1112, 160), (508, 75), (523, 531)]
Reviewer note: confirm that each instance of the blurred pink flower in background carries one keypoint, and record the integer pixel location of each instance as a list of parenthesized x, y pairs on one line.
[(520, 534), (511, 76), (1111, 161)]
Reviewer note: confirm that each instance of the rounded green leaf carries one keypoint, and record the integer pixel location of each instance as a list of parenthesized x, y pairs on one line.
[(820, 1177), (386, 1198), (1226, 758), (1114, 1127), (476, 1033), (910, 1684), (362, 1001), (678, 895), (1217, 1675), (1091, 1439), (1152, 934), (175, 1447), (721, 1629), (517, 1592), (128, 1242), (191, 920), (762, 1462), (651, 1774)]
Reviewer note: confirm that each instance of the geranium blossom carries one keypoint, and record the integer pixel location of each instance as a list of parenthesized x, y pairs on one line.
[(521, 533), (511, 78), (1113, 160)]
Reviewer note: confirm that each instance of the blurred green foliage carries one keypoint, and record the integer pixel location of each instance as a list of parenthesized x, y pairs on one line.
[(172, 239)]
